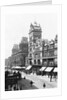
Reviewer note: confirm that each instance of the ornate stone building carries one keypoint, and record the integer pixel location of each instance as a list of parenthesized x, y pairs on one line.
[(41, 52), (35, 45), (49, 54)]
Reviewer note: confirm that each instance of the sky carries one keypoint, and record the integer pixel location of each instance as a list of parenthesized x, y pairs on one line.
[(17, 25)]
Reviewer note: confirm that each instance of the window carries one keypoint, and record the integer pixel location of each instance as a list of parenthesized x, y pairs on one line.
[(34, 41), (35, 55), (30, 62), (30, 49), (55, 45), (34, 61), (33, 46), (55, 52), (38, 55), (51, 53), (30, 44), (36, 44), (51, 63), (38, 61), (46, 54), (45, 63)]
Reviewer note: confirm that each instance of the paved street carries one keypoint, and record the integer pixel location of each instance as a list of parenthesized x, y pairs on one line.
[(40, 80)]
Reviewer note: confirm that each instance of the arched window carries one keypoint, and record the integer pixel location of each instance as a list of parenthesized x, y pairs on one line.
[(38, 61), (34, 61), (45, 63)]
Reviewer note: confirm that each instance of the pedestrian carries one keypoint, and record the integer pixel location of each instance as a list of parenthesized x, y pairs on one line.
[(24, 77), (51, 78), (44, 85), (31, 83), (14, 87)]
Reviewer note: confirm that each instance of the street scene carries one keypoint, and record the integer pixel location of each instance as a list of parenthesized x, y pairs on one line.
[(33, 62)]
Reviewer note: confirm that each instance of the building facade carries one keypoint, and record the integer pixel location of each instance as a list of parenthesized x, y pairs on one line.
[(36, 52), (41, 52), (35, 45), (49, 55), (56, 51)]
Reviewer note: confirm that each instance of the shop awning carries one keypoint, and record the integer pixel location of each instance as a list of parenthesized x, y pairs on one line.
[(48, 69), (16, 67), (29, 67), (55, 70), (43, 68), (13, 66)]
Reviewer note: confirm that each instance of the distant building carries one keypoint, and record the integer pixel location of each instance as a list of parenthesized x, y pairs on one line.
[(7, 62), (24, 49), (19, 54), (23, 46), (15, 49), (24, 40), (18, 59)]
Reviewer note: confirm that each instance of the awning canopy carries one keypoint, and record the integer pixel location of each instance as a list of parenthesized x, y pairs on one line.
[(55, 70), (13, 66), (29, 67), (43, 68), (16, 67), (48, 69)]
